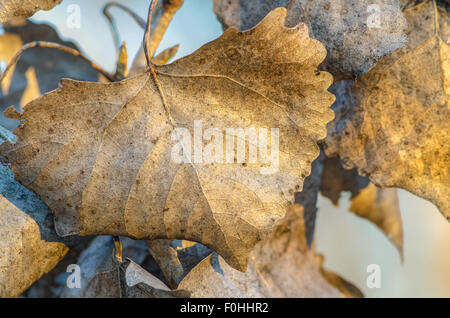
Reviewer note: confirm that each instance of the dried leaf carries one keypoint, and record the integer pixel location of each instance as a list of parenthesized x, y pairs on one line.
[(106, 148), (336, 179), (397, 132), (177, 258), (281, 266), (29, 246), (166, 55), (51, 284), (23, 8), (356, 33), (381, 207), (39, 70), (102, 276)]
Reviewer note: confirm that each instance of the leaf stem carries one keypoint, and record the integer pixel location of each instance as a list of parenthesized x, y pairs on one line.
[(147, 41), (57, 46), (153, 39)]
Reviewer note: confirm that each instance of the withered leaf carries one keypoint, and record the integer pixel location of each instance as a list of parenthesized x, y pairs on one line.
[(166, 55), (51, 284), (100, 154), (103, 276), (38, 70), (29, 246), (356, 33), (397, 132), (177, 258), (336, 179), (381, 207), (23, 8), (280, 266)]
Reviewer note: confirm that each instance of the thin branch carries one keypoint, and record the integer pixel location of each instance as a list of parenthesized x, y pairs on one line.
[(115, 32), (147, 47), (57, 46)]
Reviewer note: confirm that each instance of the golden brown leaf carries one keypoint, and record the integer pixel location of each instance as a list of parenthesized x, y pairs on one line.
[(166, 55), (23, 8), (29, 246), (99, 154), (381, 207), (397, 134)]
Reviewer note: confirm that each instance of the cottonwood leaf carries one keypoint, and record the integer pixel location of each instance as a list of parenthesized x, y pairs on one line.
[(103, 276), (165, 56), (23, 8), (396, 134), (177, 258), (381, 207), (280, 266), (38, 70), (356, 33), (29, 246), (100, 155), (336, 179)]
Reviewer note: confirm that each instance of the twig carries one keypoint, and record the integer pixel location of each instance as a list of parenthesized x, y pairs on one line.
[(115, 32), (147, 47), (57, 46)]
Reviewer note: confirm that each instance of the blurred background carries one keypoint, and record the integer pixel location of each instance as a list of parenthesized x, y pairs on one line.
[(348, 243)]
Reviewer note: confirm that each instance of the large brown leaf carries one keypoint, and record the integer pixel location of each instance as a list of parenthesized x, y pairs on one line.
[(23, 8), (280, 266), (348, 28), (397, 132), (100, 154)]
